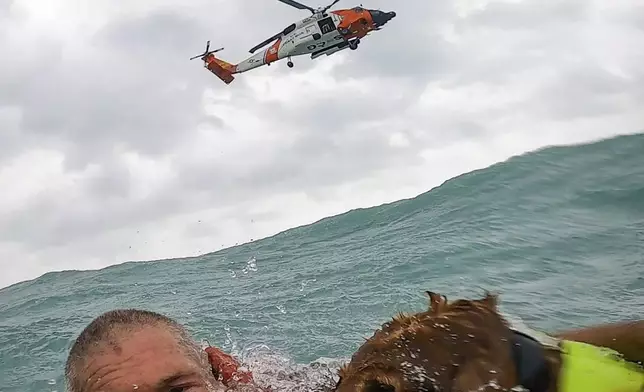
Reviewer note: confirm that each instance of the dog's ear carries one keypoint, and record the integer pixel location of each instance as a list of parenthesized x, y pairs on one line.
[(490, 300), (437, 302)]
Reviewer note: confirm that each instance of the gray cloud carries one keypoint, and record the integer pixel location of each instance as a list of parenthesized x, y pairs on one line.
[(531, 15), (585, 92), (125, 88), (413, 49), (5, 8), (306, 165), (146, 154)]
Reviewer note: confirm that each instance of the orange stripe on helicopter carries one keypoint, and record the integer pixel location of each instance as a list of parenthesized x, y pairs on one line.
[(358, 23), (272, 53)]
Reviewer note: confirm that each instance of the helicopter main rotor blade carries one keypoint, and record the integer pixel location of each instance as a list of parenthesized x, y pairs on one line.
[(331, 5), (297, 5), (264, 43)]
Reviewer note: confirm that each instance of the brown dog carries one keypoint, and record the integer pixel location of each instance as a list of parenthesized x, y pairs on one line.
[(466, 345)]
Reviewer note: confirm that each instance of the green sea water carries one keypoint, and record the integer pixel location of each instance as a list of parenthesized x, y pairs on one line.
[(559, 233)]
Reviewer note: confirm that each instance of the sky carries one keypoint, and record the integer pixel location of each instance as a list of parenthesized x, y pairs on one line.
[(114, 147)]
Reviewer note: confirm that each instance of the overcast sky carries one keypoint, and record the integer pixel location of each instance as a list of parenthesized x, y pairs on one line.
[(114, 147)]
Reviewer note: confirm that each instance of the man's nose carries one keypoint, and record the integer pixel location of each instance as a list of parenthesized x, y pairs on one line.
[(380, 18)]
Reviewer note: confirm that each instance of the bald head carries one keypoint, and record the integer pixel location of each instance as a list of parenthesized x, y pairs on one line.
[(127, 347)]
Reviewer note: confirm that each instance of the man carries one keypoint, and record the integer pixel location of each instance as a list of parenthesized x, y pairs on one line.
[(127, 350)]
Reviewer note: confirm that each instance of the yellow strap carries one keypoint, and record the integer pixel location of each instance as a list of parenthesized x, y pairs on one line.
[(586, 368)]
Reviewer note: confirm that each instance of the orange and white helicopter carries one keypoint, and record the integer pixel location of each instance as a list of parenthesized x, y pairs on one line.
[(321, 33)]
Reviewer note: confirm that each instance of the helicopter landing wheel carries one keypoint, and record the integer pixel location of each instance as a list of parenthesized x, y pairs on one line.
[(353, 45), (290, 64)]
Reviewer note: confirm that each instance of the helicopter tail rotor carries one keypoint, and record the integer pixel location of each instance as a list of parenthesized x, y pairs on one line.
[(206, 52)]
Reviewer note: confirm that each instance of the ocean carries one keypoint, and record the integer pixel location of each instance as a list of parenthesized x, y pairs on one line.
[(558, 233)]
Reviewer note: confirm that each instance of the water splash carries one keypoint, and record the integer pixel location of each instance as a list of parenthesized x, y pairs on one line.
[(251, 265), (270, 369), (305, 283)]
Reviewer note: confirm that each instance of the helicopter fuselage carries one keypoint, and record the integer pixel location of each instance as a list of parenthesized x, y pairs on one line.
[(316, 35), (321, 33)]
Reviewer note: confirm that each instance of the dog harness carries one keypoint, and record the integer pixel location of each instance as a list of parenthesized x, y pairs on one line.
[(584, 367), (587, 368)]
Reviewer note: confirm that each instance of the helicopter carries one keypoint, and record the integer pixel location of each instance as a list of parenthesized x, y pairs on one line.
[(324, 32)]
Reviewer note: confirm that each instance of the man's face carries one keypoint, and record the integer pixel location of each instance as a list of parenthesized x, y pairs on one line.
[(147, 360)]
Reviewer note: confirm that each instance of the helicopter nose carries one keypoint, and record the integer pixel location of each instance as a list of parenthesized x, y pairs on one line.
[(380, 18)]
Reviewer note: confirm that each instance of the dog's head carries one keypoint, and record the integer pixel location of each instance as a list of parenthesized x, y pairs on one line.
[(458, 346)]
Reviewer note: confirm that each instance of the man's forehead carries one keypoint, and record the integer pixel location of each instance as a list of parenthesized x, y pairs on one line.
[(143, 357), (146, 333), (137, 342)]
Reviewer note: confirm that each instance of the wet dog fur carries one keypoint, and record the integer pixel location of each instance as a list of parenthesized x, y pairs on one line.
[(459, 346)]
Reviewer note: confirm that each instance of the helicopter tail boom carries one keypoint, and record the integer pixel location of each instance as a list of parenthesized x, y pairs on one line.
[(222, 69)]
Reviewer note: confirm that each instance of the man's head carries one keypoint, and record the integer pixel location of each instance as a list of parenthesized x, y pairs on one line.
[(126, 350)]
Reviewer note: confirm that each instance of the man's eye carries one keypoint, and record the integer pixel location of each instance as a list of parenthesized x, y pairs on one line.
[(188, 388)]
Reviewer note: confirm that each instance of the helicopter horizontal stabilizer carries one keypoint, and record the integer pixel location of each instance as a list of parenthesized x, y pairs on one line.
[(222, 73)]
